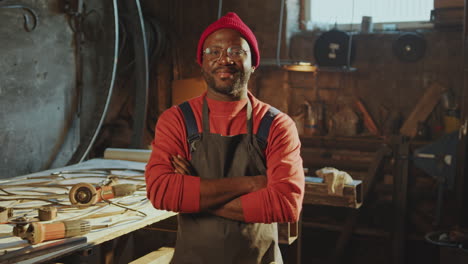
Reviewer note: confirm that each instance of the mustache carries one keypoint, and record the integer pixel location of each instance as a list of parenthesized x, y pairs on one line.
[(225, 69)]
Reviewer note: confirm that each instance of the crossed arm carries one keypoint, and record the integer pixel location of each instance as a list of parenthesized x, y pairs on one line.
[(244, 198), (221, 196)]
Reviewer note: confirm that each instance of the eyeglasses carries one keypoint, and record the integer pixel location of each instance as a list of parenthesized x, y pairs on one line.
[(215, 53)]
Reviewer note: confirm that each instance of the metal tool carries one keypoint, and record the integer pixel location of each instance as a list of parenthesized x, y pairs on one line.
[(84, 194), (47, 213), (40, 232)]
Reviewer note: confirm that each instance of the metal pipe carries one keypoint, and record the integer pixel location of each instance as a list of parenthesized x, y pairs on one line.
[(111, 86), (280, 30), (141, 82), (220, 8)]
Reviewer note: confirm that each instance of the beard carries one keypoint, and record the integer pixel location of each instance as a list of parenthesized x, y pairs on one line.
[(234, 88)]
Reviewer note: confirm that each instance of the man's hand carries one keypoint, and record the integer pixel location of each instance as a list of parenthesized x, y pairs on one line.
[(182, 166)]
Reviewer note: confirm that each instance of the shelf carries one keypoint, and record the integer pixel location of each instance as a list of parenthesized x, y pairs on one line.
[(361, 231), (336, 69), (336, 227), (369, 144)]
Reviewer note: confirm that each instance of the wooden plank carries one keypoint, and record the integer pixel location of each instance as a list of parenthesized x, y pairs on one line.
[(139, 155), (448, 3), (422, 110), (368, 120), (161, 256), (317, 193)]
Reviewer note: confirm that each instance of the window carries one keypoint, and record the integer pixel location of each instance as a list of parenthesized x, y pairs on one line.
[(324, 14)]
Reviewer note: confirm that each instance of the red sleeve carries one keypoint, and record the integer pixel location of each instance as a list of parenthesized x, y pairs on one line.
[(165, 189), (281, 201)]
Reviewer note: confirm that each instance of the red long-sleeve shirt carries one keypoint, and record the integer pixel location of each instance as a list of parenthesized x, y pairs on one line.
[(280, 201)]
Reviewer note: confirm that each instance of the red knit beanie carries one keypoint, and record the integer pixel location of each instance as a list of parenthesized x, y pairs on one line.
[(231, 20)]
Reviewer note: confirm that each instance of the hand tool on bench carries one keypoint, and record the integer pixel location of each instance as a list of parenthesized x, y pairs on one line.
[(85, 194)]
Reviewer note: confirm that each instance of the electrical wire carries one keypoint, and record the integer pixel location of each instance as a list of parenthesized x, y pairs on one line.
[(122, 206), (30, 11)]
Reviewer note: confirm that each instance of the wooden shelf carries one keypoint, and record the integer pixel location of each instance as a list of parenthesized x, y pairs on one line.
[(362, 231), (364, 143)]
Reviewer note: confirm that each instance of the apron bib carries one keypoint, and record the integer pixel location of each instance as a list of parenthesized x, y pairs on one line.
[(203, 238)]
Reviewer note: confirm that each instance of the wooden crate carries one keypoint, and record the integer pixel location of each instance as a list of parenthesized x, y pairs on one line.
[(317, 193)]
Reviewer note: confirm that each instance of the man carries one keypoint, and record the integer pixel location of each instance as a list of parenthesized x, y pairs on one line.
[(209, 164)]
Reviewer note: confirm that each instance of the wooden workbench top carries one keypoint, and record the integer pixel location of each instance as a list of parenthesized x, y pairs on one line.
[(119, 221)]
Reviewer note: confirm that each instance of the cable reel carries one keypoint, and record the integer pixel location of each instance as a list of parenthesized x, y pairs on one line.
[(409, 47), (334, 48)]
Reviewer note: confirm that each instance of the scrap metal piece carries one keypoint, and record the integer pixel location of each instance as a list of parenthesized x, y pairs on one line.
[(47, 213), (30, 13)]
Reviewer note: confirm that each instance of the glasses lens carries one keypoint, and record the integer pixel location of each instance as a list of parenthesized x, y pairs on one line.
[(234, 53), (212, 53)]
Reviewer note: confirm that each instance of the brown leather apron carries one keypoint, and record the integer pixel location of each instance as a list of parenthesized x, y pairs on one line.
[(208, 239)]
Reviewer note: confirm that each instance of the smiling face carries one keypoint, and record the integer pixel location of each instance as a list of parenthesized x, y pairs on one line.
[(227, 78)]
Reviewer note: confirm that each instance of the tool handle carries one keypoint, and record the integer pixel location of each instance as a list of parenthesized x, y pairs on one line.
[(40, 232)]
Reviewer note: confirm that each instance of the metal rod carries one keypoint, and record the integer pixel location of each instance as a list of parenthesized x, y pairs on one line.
[(280, 30), (111, 86), (220, 8), (141, 80)]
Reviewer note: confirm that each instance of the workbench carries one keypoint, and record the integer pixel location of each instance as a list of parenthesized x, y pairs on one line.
[(112, 220)]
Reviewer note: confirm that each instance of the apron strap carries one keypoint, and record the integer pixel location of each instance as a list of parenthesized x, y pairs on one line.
[(265, 124), (206, 119)]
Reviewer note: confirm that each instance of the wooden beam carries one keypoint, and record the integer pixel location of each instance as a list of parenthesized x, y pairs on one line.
[(161, 256), (462, 169), (368, 120), (139, 155), (422, 110), (400, 197)]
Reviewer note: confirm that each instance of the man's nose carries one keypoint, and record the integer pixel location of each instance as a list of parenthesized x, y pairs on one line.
[(224, 59)]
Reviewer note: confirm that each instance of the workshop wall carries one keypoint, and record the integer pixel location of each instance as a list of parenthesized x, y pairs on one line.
[(388, 87), (31, 85), (44, 110)]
